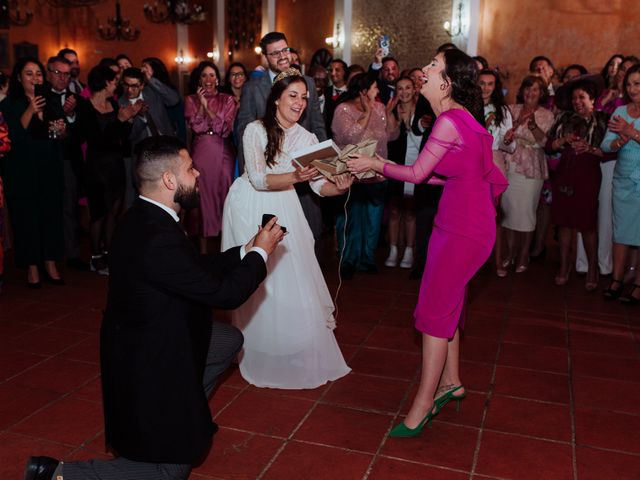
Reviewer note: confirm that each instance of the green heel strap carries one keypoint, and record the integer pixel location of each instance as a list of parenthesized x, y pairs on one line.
[(401, 430)]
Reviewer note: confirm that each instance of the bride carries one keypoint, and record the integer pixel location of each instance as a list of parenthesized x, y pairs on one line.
[(288, 322)]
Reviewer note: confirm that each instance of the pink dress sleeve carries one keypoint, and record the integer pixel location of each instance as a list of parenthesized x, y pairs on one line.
[(225, 113), (197, 120), (345, 126), (443, 138)]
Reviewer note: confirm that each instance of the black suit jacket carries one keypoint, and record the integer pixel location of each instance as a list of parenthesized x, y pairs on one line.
[(155, 335)]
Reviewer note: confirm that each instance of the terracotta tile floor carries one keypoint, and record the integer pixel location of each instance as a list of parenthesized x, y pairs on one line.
[(552, 374)]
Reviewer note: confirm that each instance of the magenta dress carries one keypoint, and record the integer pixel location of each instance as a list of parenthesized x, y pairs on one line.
[(213, 155), (458, 149)]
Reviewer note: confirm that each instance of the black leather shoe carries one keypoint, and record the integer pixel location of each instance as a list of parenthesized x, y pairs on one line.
[(34, 286), (40, 468)]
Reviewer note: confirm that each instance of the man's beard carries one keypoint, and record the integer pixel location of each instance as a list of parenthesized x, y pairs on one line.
[(187, 198)]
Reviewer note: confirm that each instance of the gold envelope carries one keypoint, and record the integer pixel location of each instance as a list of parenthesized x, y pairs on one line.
[(338, 164)]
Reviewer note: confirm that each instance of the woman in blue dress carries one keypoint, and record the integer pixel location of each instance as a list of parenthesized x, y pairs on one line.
[(623, 136)]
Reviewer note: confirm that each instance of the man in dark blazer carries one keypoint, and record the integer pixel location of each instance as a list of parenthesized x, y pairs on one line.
[(63, 104), (153, 118), (160, 353), (253, 103)]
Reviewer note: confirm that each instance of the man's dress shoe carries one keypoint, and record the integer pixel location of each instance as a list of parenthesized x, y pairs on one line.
[(40, 468)]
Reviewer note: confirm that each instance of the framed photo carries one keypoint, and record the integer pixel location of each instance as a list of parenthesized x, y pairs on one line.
[(25, 49)]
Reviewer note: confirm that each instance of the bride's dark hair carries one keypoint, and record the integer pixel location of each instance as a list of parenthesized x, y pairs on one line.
[(462, 72), (275, 133)]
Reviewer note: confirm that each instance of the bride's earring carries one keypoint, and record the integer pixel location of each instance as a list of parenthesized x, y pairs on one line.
[(443, 86)]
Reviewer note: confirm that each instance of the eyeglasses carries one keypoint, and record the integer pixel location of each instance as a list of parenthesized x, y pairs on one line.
[(238, 74), (60, 74), (131, 85), (277, 53)]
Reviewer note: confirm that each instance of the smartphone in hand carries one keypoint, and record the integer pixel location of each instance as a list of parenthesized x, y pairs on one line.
[(39, 90), (384, 43)]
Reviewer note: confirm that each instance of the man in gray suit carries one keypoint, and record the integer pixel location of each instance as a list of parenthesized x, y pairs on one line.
[(153, 119), (252, 106)]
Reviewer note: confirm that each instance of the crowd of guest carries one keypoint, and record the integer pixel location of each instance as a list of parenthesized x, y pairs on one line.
[(569, 147)]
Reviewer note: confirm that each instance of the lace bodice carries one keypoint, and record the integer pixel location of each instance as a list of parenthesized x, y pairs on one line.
[(254, 142)]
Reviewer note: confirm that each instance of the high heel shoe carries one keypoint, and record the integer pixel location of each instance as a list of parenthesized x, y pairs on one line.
[(401, 430), (540, 256), (593, 285), (53, 281), (629, 299), (445, 398), (561, 280), (613, 293)]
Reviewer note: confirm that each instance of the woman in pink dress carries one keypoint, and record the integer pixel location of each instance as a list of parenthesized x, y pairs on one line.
[(210, 115), (458, 150)]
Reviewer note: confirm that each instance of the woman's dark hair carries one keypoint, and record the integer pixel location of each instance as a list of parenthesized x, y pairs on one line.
[(122, 56), (483, 61), (446, 46), (497, 97), (631, 70), (323, 58), (99, 76), (16, 89), (529, 81), (108, 62), (359, 83), (275, 134), (354, 68), (159, 70), (4, 80), (574, 66), (588, 86), (194, 77), (227, 75), (462, 72), (605, 70)]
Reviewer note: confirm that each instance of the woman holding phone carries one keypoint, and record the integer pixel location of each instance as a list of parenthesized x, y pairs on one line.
[(32, 174)]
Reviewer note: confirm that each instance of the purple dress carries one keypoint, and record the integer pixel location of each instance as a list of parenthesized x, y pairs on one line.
[(464, 231), (213, 155)]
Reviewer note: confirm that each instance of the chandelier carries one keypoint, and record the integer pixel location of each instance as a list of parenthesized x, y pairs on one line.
[(118, 28), (17, 12), (174, 11)]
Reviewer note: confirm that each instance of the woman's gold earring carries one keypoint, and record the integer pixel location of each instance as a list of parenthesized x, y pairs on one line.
[(443, 86)]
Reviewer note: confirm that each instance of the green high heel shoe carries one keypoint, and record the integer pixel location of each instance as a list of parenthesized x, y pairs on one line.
[(442, 400), (401, 430)]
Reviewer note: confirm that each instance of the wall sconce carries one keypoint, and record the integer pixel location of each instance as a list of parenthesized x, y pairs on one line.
[(214, 55), (459, 22), (258, 50), (337, 40), (183, 59)]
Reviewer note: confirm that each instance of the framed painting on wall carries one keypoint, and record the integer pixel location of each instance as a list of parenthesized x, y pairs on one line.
[(25, 49)]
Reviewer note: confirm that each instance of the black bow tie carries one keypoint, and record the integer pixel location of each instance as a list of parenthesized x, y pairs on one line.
[(57, 94)]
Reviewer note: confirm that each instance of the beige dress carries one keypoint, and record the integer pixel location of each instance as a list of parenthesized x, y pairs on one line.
[(526, 171)]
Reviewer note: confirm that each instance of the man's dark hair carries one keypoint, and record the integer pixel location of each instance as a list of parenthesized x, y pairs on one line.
[(537, 59), (133, 72), (108, 62), (389, 59), (341, 62), (57, 59), (156, 155), (270, 38), (67, 51)]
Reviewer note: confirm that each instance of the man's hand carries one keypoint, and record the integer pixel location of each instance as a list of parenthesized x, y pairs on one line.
[(378, 56), (69, 105), (268, 237)]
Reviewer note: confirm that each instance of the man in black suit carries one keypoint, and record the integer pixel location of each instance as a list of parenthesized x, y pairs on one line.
[(66, 106), (388, 72), (160, 353)]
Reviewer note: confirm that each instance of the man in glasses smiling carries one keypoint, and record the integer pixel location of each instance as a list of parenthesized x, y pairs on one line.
[(253, 103), (62, 104)]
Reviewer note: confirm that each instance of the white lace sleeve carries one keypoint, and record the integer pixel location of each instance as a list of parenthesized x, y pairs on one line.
[(317, 183), (254, 142)]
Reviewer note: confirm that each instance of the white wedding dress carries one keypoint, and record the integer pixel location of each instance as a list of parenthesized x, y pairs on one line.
[(288, 322)]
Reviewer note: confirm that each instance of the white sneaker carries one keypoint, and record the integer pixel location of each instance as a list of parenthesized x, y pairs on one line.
[(392, 259), (407, 258)]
